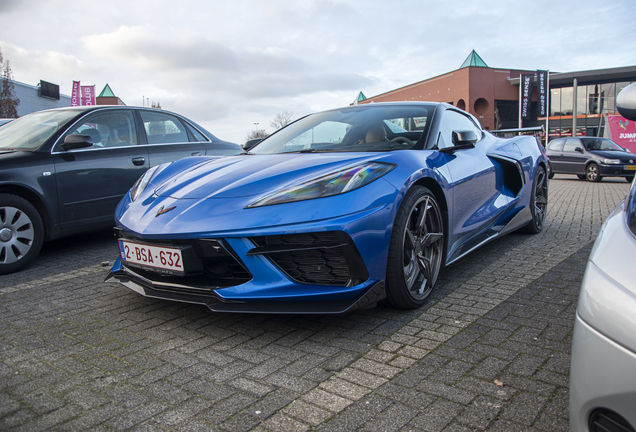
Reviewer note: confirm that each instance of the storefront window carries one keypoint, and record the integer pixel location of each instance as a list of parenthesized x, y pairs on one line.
[(581, 100), (566, 101), (592, 99), (608, 96), (555, 102)]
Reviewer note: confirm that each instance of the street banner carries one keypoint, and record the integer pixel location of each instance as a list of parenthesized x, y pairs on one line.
[(75, 94), (622, 131), (88, 95), (542, 93), (527, 82)]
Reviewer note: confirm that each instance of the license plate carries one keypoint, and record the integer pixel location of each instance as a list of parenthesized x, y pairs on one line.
[(630, 167), (162, 259)]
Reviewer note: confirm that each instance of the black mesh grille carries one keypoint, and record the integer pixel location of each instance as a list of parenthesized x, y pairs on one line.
[(605, 420), (325, 258)]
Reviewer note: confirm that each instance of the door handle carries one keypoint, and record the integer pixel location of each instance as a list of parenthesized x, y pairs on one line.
[(138, 161), (197, 153)]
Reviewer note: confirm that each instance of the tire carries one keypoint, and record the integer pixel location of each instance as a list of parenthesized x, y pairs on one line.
[(538, 203), (550, 172), (415, 250), (581, 176), (21, 233), (629, 178), (592, 173)]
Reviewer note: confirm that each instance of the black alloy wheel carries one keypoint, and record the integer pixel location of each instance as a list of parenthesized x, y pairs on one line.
[(21, 233), (592, 173), (538, 203), (416, 249)]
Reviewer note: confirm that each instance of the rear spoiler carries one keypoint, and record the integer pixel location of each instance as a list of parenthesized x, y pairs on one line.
[(536, 130)]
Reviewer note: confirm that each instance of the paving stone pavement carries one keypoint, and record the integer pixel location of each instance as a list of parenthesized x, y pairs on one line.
[(78, 354)]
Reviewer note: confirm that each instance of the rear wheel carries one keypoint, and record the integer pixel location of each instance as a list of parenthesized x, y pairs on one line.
[(416, 249), (21, 233), (592, 173), (538, 203), (550, 172)]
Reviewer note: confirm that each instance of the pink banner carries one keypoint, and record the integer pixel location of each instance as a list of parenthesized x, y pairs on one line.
[(623, 132), (75, 94), (88, 95)]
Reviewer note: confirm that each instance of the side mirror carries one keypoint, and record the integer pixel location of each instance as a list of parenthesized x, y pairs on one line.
[(626, 102), (578, 149), (461, 140), (76, 141), (252, 143)]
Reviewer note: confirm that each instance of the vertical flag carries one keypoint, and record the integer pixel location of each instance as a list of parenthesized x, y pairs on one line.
[(527, 82), (542, 93), (75, 94), (88, 95)]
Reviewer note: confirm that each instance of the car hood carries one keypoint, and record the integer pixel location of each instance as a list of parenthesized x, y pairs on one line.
[(249, 175), (612, 154)]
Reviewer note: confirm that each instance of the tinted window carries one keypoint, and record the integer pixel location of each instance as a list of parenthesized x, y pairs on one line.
[(600, 144), (163, 128), (571, 144), (109, 128), (454, 121), (198, 136), (556, 145)]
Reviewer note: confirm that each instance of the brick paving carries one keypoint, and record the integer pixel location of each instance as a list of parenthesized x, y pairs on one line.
[(489, 351)]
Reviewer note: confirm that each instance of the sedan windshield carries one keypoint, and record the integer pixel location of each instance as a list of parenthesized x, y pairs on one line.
[(28, 133), (365, 128), (602, 144)]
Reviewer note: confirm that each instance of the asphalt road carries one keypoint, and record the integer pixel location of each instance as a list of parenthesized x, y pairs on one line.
[(78, 354)]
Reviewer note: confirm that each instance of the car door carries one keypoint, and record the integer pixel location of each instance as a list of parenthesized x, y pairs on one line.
[(473, 178), (555, 155), (91, 181), (167, 138), (573, 160)]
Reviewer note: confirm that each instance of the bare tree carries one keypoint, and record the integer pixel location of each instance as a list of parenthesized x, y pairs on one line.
[(256, 133), (281, 120), (8, 100)]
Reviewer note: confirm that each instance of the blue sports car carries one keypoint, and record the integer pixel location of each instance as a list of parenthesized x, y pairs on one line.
[(335, 212)]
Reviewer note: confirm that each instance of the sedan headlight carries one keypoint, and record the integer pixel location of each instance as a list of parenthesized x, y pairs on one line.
[(610, 161), (334, 183), (142, 183)]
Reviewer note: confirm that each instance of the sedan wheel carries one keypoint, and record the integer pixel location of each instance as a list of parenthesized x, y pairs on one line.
[(538, 203), (416, 249), (592, 173), (21, 233)]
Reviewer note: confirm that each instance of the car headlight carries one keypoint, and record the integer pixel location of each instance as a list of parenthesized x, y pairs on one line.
[(610, 161), (142, 183), (335, 183)]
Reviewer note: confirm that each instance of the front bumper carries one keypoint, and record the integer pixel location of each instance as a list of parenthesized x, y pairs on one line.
[(607, 170), (602, 378)]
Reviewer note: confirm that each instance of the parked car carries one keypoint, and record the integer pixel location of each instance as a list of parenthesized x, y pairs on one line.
[(602, 378), (590, 158), (335, 212), (63, 171), (4, 121)]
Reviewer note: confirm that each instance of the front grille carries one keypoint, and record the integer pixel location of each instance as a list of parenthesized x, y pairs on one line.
[(325, 258), (605, 420), (209, 263)]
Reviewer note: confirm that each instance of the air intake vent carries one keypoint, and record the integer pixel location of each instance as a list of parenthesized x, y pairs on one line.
[(605, 420)]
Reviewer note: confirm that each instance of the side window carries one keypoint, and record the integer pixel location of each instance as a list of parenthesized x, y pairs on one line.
[(198, 136), (109, 128), (454, 121), (571, 144), (163, 128), (556, 145)]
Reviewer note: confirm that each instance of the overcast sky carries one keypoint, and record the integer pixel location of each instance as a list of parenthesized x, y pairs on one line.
[(230, 64)]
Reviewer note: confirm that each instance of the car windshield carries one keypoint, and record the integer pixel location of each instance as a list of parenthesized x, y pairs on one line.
[(602, 144), (364, 128), (28, 133)]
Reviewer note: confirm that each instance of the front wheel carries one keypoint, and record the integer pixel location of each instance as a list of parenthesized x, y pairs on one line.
[(21, 233), (592, 173), (415, 250), (538, 203)]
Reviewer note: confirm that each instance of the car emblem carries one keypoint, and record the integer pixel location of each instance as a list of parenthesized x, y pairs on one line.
[(163, 210)]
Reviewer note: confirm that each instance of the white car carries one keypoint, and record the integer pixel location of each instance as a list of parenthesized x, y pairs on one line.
[(603, 369)]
